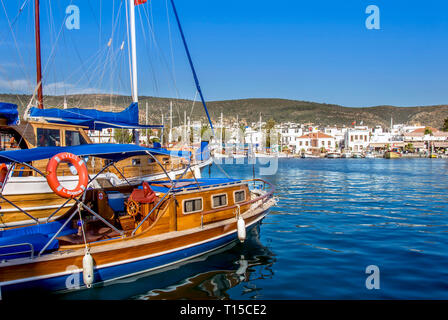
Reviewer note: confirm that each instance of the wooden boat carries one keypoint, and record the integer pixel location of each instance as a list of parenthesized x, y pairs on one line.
[(116, 232), (59, 127), (30, 191), (392, 154)]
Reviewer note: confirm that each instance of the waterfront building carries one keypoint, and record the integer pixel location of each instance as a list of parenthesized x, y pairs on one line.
[(357, 139), (314, 142), (289, 136), (102, 136), (338, 134)]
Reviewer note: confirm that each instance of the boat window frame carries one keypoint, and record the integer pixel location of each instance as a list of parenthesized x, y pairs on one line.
[(49, 129), (81, 137), (217, 195), (234, 195), (191, 199)]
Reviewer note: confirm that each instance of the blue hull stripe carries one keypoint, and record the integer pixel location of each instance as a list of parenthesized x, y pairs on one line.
[(58, 283)]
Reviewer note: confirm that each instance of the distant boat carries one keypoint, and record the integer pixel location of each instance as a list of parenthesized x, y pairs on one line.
[(333, 155), (370, 155), (309, 155), (238, 156), (392, 154), (356, 155), (346, 155)]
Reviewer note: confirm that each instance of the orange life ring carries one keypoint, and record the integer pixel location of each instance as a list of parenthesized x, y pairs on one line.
[(3, 173), (52, 177)]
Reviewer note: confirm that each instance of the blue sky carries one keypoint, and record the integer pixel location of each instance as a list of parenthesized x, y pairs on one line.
[(306, 50)]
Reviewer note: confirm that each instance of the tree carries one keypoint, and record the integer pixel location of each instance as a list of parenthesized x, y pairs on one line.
[(409, 147), (122, 136), (445, 125), (268, 127), (428, 131)]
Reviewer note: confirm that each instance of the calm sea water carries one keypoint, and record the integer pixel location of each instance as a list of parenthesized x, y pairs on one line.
[(334, 218)]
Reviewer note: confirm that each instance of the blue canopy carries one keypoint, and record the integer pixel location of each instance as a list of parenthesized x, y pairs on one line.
[(9, 111), (110, 151), (93, 119)]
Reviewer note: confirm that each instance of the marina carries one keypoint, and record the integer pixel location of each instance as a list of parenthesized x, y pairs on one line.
[(250, 154), (330, 222)]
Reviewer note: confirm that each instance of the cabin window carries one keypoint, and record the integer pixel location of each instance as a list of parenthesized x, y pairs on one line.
[(151, 160), (193, 205), (48, 137), (240, 196), (219, 200), (74, 138), (135, 162)]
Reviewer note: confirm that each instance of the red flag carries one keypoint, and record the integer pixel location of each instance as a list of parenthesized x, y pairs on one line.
[(137, 2)]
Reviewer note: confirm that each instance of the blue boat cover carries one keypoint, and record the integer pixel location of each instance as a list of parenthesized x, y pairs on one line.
[(164, 185), (16, 243), (109, 151), (204, 152), (92, 118), (9, 111)]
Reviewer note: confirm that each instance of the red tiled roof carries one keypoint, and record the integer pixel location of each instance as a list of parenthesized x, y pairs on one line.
[(316, 135), (422, 130)]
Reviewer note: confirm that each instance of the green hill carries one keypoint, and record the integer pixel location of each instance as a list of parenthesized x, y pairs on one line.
[(248, 110)]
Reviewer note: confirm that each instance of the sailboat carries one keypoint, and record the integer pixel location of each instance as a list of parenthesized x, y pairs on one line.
[(113, 232), (67, 127)]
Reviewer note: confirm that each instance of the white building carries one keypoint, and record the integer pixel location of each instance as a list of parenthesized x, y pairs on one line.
[(337, 133), (289, 136), (101, 136), (314, 142), (357, 139)]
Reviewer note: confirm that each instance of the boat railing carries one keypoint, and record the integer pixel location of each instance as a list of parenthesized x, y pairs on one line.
[(31, 251)]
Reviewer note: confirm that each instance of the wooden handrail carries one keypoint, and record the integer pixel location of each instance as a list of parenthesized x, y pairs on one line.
[(268, 194)]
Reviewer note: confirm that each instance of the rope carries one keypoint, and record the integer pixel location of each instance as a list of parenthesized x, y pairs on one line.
[(82, 226)]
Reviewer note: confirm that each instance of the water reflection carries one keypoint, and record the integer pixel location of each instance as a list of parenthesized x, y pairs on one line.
[(207, 277), (211, 279)]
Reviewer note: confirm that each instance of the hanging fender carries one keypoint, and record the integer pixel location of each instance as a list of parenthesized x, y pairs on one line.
[(52, 177), (87, 269), (241, 226)]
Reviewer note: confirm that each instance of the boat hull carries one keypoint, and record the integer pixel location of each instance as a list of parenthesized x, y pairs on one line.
[(392, 155)]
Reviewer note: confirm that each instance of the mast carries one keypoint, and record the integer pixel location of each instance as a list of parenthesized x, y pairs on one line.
[(170, 137), (134, 85), (222, 128), (133, 51), (162, 131), (185, 125), (146, 122), (40, 96)]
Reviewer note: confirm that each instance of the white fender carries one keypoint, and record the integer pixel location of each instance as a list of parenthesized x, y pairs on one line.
[(87, 267), (241, 226)]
